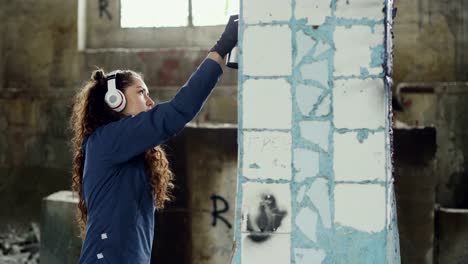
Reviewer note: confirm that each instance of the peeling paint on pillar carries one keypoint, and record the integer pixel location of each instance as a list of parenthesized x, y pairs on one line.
[(338, 67)]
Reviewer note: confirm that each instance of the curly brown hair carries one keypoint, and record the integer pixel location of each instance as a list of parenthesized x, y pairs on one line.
[(91, 112)]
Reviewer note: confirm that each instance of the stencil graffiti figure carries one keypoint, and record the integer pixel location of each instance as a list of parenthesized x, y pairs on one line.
[(268, 219)]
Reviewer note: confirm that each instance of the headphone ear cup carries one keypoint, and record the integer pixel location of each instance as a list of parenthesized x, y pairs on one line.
[(115, 99), (123, 103)]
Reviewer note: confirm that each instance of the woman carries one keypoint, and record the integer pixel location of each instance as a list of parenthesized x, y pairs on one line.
[(119, 172)]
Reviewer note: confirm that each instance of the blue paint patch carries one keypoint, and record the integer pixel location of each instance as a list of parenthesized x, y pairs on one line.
[(348, 23), (271, 77), (369, 76), (265, 24), (306, 221), (306, 164), (377, 56), (364, 182), (324, 32), (362, 135), (362, 247), (314, 83), (308, 255), (267, 180), (300, 194), (265, 129), (364, 71), (307, 96), (323, 108), (304, 44), (317, 71), (326, 164), (372, 131), (254, 166), (321, 48), (320, 197), (316, 132)]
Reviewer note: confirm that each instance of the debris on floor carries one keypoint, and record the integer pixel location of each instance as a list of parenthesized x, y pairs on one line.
[(20, 248)]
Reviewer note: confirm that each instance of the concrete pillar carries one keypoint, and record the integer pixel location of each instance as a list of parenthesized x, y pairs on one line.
[(415, 190), (2, 45), (211, 158), (60, 242), (315, 182)]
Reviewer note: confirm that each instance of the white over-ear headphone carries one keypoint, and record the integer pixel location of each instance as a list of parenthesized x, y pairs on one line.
[(114, 98)]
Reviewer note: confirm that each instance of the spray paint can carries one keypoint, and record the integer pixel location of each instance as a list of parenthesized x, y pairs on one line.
[(233, 58)]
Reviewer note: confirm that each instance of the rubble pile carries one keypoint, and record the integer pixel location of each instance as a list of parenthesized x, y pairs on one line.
[(20, 248)]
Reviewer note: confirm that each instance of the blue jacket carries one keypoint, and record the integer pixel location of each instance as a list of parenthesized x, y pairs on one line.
[(116, 189)]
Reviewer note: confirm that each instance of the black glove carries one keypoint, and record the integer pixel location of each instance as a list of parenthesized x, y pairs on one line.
[(228, 39)]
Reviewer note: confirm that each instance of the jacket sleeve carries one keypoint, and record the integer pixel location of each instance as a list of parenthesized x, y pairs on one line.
[(133, 135)]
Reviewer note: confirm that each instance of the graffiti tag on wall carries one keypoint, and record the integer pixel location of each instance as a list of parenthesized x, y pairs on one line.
[(216, 213), (103, 4)]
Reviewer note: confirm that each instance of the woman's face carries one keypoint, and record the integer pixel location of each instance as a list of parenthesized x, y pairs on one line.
[(137, 97)]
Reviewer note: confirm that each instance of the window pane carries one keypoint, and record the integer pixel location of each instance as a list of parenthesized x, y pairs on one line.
[(213, 12), (154, 13)]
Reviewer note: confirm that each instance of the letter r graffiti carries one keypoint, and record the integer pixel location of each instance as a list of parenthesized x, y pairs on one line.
[(216, 213)]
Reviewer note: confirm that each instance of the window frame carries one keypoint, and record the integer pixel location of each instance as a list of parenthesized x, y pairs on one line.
[(100, 28)]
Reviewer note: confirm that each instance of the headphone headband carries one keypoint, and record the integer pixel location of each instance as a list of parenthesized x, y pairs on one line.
[(112, 80), (111, 84)]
